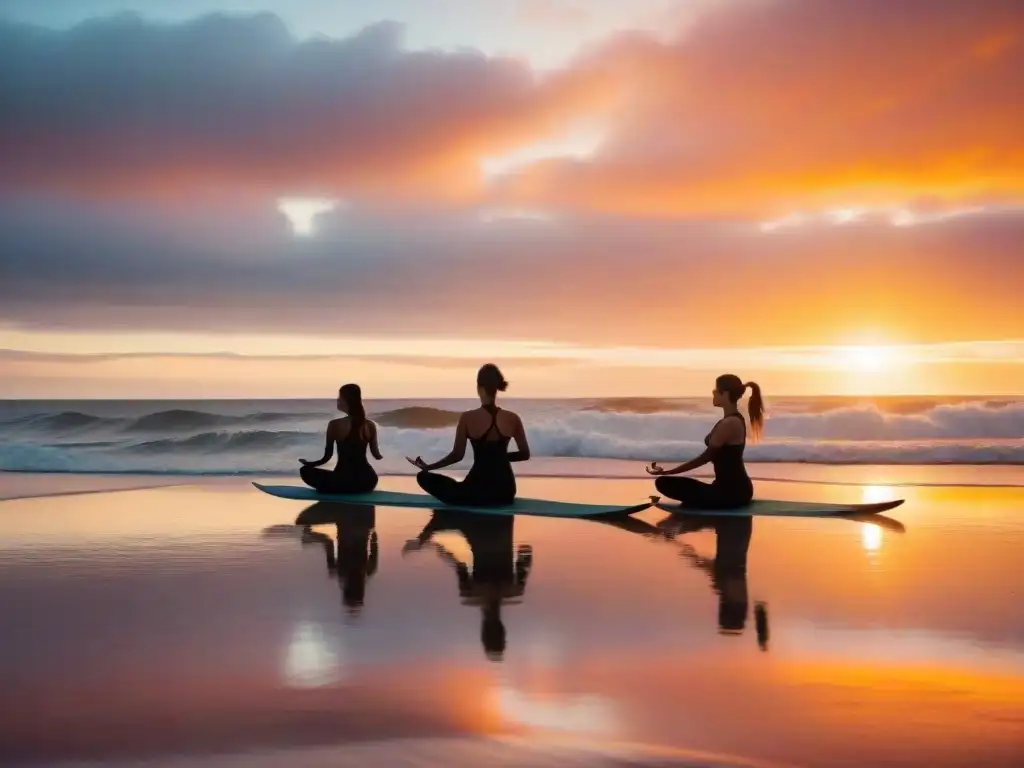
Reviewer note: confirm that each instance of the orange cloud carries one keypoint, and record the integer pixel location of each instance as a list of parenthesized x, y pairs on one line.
[(764, 107)]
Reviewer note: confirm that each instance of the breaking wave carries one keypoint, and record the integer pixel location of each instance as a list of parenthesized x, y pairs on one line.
[(270, 440), (221, 441), (417, 417), (635, 405), (177, 420)]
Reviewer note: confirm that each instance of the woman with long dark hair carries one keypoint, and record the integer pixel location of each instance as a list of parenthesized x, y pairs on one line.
[(725, 443), (490, 481), (352, 434)]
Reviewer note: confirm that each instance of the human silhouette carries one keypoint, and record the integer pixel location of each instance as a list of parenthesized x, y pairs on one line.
[(353, 555), (352, 435), (727, 569), (499, 572), (725, 444), (490, 430)]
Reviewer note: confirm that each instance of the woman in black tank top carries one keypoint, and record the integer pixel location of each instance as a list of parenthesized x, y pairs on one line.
[(490, 481), (725, 443), (352, 436)]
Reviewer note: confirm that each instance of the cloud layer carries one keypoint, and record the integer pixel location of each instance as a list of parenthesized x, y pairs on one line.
[(123, 106), (756, 107), (589, 279), (763, 106), (140, 164)]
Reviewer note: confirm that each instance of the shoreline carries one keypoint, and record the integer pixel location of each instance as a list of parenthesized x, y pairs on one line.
[(787, 473), (870, 479)]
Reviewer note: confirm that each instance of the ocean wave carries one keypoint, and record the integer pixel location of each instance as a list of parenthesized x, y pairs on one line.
[(179, 420), (271, 440), (628, 418), (967, 421), (175, 420), (417, 417), (636, 405), (972, 420), (259, 440)]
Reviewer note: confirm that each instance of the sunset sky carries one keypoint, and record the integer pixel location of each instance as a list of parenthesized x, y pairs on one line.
[(228, 198)]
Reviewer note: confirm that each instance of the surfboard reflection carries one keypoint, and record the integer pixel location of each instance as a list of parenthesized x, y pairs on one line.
[(352, 556), (498, 574)]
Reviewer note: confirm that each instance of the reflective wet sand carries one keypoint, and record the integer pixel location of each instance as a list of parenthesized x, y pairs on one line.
[(201, 621)]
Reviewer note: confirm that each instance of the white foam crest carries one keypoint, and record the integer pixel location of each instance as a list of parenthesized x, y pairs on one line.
[(966, 433), (946, 421)]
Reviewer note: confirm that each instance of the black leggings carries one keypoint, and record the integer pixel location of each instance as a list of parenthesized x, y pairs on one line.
[(694, 493), (450, 491), (326, 481)]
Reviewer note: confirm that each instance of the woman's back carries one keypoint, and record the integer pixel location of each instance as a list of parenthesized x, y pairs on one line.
[(352, 439), (351, 442), (349, 436), (490, 430), (490, 423)]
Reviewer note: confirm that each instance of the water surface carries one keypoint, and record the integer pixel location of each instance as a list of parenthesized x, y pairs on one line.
[(197, 620)]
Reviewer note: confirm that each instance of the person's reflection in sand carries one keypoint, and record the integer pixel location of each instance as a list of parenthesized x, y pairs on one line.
[(353, 556), (727, 569), (499, 572)]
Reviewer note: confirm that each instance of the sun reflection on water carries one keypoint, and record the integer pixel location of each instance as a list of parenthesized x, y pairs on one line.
[(870, 534), (870, 537), (574, 714), (311, 660)]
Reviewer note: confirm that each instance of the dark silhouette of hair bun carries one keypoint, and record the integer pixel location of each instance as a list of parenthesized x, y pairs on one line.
[(490, 379)]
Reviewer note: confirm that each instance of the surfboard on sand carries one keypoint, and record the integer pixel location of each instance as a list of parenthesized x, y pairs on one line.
[(521, 506), (544, 508), (773, 508)]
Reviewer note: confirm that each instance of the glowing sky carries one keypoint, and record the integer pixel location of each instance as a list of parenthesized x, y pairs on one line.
[(605, 197)]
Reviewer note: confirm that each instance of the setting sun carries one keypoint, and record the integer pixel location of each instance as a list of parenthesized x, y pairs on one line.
[(865, 359)]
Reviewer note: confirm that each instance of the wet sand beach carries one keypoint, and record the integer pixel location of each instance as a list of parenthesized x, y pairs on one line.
[(197, 621)]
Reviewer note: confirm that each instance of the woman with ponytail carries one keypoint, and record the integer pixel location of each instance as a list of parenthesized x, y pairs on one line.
[(490, 481), (353, 434), (725, 443)]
